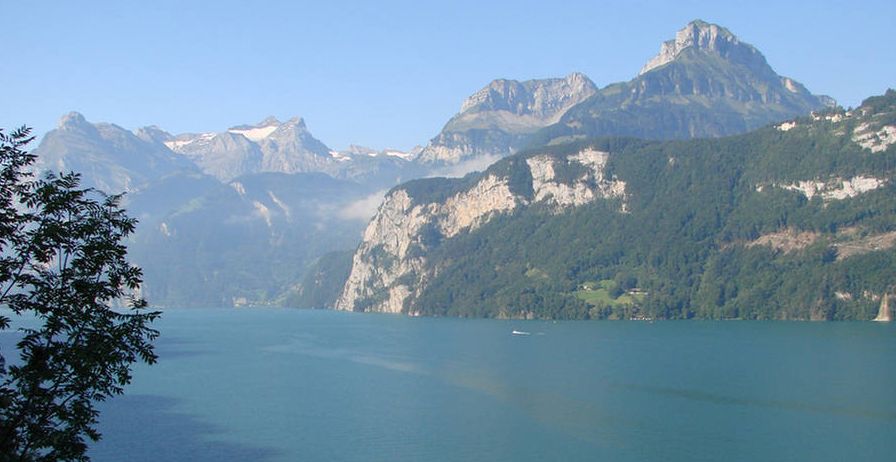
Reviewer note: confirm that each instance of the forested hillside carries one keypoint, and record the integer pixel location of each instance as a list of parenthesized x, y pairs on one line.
[(794, 221)]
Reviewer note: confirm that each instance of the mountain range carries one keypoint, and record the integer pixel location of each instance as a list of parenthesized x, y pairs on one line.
[(241, 216), (704, 83), (791, 221)]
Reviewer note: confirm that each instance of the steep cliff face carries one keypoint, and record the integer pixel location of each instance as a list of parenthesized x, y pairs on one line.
[(591, 185), (704, 36), (390, 267), (498, 119)]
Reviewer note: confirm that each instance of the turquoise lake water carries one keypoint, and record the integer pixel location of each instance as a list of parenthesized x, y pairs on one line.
[(291, 385)]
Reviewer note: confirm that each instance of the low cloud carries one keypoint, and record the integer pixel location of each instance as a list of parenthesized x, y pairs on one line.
[(363, 209), (473, 165)]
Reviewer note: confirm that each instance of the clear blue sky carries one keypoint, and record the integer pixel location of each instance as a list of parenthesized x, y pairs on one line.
[(386, 73)]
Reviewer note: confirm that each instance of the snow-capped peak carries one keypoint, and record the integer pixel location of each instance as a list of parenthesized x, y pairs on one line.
[(179, 143)]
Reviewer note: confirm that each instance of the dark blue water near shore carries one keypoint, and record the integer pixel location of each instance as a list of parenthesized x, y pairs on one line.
[(287, 385)]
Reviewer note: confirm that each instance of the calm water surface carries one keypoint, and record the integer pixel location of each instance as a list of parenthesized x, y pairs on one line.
[(290, 385)]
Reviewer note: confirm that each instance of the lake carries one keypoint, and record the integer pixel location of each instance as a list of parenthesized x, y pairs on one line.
[(289, 385)]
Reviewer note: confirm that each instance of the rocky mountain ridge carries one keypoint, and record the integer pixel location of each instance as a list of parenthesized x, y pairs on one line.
[(677, 218), (704, 36), (705, 82), (108, 157), (115, 159), (497, 119), (390, 265)]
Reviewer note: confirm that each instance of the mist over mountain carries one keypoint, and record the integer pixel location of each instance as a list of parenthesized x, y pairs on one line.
[(205, 243), (230, 218), (243, 216)]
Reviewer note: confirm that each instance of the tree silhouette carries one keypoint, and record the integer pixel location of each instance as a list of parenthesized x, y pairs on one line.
[(63, 277)]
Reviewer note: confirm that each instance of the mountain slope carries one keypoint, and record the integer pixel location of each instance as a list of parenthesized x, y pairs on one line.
[(107, 156), (269, 146), (794, 221), (498, 119), (704, 83), (247, 242), (216, 226)]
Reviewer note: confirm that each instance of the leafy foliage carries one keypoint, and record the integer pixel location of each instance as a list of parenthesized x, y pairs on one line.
[(62, 262)]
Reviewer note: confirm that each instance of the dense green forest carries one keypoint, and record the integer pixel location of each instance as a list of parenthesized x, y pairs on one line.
[(696, 238)]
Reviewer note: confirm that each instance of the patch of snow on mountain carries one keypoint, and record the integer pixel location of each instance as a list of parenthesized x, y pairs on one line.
[(255, 134), (177, 145), (340, 156), (400, 154)]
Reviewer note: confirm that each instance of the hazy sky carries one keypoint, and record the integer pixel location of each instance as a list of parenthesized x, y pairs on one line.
[(386, 73)]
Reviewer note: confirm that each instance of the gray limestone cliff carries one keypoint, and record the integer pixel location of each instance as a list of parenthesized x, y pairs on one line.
[(390, 268), (704, 36), (884, 314)]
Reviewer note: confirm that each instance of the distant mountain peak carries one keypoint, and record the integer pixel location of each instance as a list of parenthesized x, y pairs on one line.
[(358, 150), (73, 120), (297, 122), (578, 78), (153, 133), (531, 96), (497, 119), (700, 35), (265, 128), (268, 121)]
